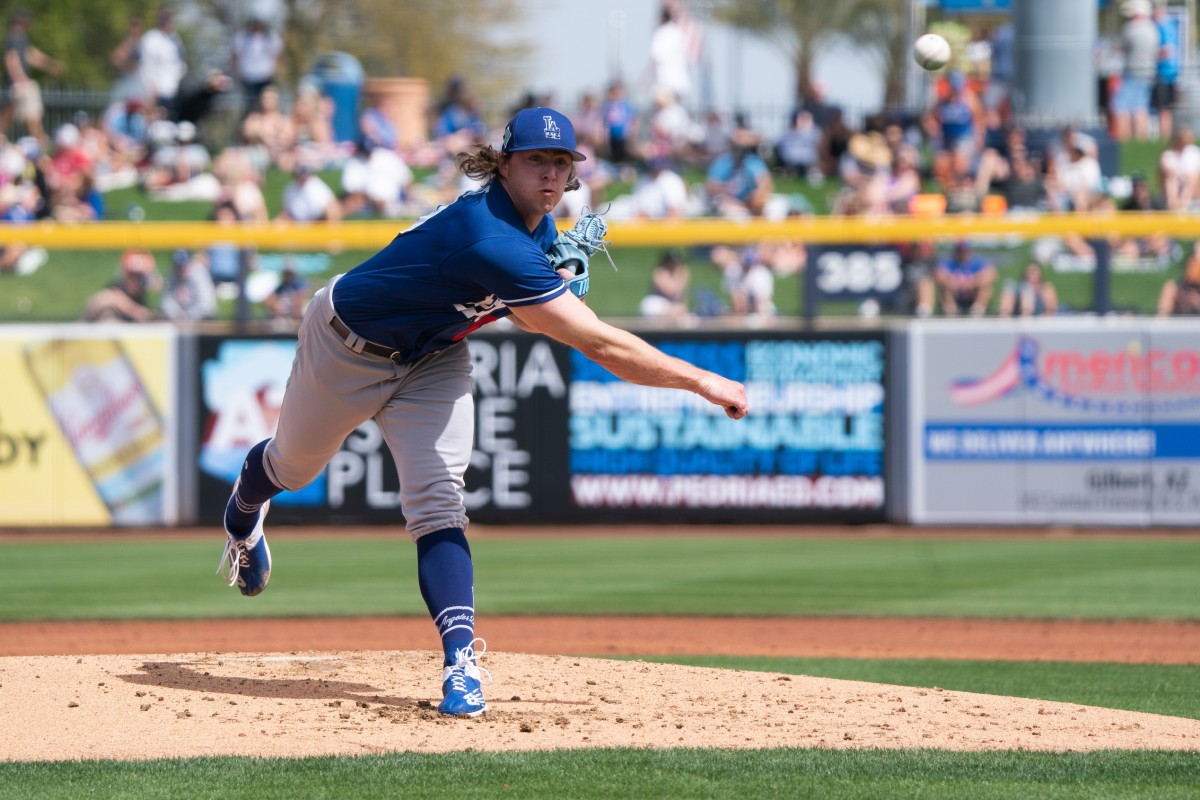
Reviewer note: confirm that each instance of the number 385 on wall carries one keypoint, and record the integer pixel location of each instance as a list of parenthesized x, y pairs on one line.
[(842, 272)]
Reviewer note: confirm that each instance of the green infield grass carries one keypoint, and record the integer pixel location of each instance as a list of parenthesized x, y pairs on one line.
[(1130, 577), (634, 774)]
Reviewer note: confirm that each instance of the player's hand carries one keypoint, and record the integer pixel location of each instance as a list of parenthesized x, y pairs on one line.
[(730, 395)]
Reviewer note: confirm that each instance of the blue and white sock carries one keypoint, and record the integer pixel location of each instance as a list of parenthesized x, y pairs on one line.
[(446, 576), (254, 489)]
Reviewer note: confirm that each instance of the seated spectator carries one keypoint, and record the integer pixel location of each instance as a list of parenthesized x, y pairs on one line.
[(374, 181), (671, 129), (124, 123), (241, 185), (747, 281), (1181, 297), (835, 140), (739, 183), (190, 295), (661, 193), (1032, 297), (1157, 247), (127, 298), (668, 289), (225, 261), (312, 121), (459, 112), (966, 282), (290, 297), (1076, 183), (307, 198), (904, 181), (1179, 171), (269, 132), (588, 121), (916, 295), (798, 151)]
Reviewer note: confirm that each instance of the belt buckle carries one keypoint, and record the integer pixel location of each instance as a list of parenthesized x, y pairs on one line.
[(395, 357)]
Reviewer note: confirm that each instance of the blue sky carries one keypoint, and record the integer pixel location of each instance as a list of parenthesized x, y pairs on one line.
[(580, 43)]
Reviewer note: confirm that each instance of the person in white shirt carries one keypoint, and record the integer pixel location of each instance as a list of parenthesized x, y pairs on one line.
[(162, 61), (662, 194), (669, 56), (309, 199), (375, 181), (256, 51), (1179, 170)]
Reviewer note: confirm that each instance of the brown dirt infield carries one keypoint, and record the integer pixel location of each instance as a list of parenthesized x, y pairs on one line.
[(311, 687)]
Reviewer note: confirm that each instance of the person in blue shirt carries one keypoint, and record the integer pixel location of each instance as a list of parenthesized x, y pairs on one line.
[(738, 182), (385, 341), (966, 282)]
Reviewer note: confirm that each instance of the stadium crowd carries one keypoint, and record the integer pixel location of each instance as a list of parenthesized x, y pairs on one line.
[(962, 154)]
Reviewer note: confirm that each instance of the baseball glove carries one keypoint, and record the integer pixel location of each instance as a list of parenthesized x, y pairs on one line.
[(573, 249)]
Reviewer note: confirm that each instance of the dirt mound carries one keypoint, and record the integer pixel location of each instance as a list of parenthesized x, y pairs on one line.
[(314, 703)]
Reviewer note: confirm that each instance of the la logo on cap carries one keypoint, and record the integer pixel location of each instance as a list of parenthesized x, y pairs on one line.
[(552, 131)]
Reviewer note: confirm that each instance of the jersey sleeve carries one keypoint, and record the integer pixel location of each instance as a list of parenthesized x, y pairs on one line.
[(515, 270)]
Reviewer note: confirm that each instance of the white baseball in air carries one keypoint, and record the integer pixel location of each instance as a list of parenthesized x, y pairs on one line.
[(931, 51)]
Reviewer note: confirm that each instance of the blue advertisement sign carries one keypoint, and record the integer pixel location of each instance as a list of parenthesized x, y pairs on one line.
[(559, 438)]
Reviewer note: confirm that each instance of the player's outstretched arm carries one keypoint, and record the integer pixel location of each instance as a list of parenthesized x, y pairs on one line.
[(627, 356)]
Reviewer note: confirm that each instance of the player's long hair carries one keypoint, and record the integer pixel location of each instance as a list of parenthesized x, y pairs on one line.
[(483, 164)]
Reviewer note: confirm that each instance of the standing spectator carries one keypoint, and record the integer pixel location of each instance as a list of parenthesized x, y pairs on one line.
[(957, 124), (966, 282), (163, 61), (312, 127), (126, 60), (669, 63), (256, 52), (589, 122), (1140, 45), (671, 132), (996, 97), (1166, 72), (1032, 297), (307, 198), (1181, 297), (1179, 170), (620, 118), (23, 95), (190, 295), (458, 112)]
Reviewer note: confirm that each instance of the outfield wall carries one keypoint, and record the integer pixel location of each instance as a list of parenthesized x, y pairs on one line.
[(1072, 420)]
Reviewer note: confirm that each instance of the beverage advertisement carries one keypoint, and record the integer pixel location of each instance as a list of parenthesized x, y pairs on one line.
[(83, 437), (1088, 421)]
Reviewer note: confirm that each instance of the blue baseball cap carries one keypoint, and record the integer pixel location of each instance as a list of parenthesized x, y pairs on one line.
[(540, 129)]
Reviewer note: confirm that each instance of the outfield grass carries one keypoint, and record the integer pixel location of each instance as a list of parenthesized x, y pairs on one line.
[(634, 774), (1132, 577)]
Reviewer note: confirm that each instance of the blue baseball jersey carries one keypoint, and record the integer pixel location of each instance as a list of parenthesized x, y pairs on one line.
[(455, 270)]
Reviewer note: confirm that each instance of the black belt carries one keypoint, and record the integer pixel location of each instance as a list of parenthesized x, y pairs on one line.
[(390, 354)]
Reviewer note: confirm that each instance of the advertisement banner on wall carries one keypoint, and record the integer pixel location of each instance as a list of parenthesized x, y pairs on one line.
[(87, 431), (560, 439), (1055, 422)]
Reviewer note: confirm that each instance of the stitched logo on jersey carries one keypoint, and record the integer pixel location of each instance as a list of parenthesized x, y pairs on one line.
[(481, 307), (552, 129)]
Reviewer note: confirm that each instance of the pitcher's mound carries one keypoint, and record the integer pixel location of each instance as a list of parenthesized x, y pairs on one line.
[(309, 703)]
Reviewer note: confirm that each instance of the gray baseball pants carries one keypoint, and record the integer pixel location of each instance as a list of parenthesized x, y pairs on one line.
[(424, 410)]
